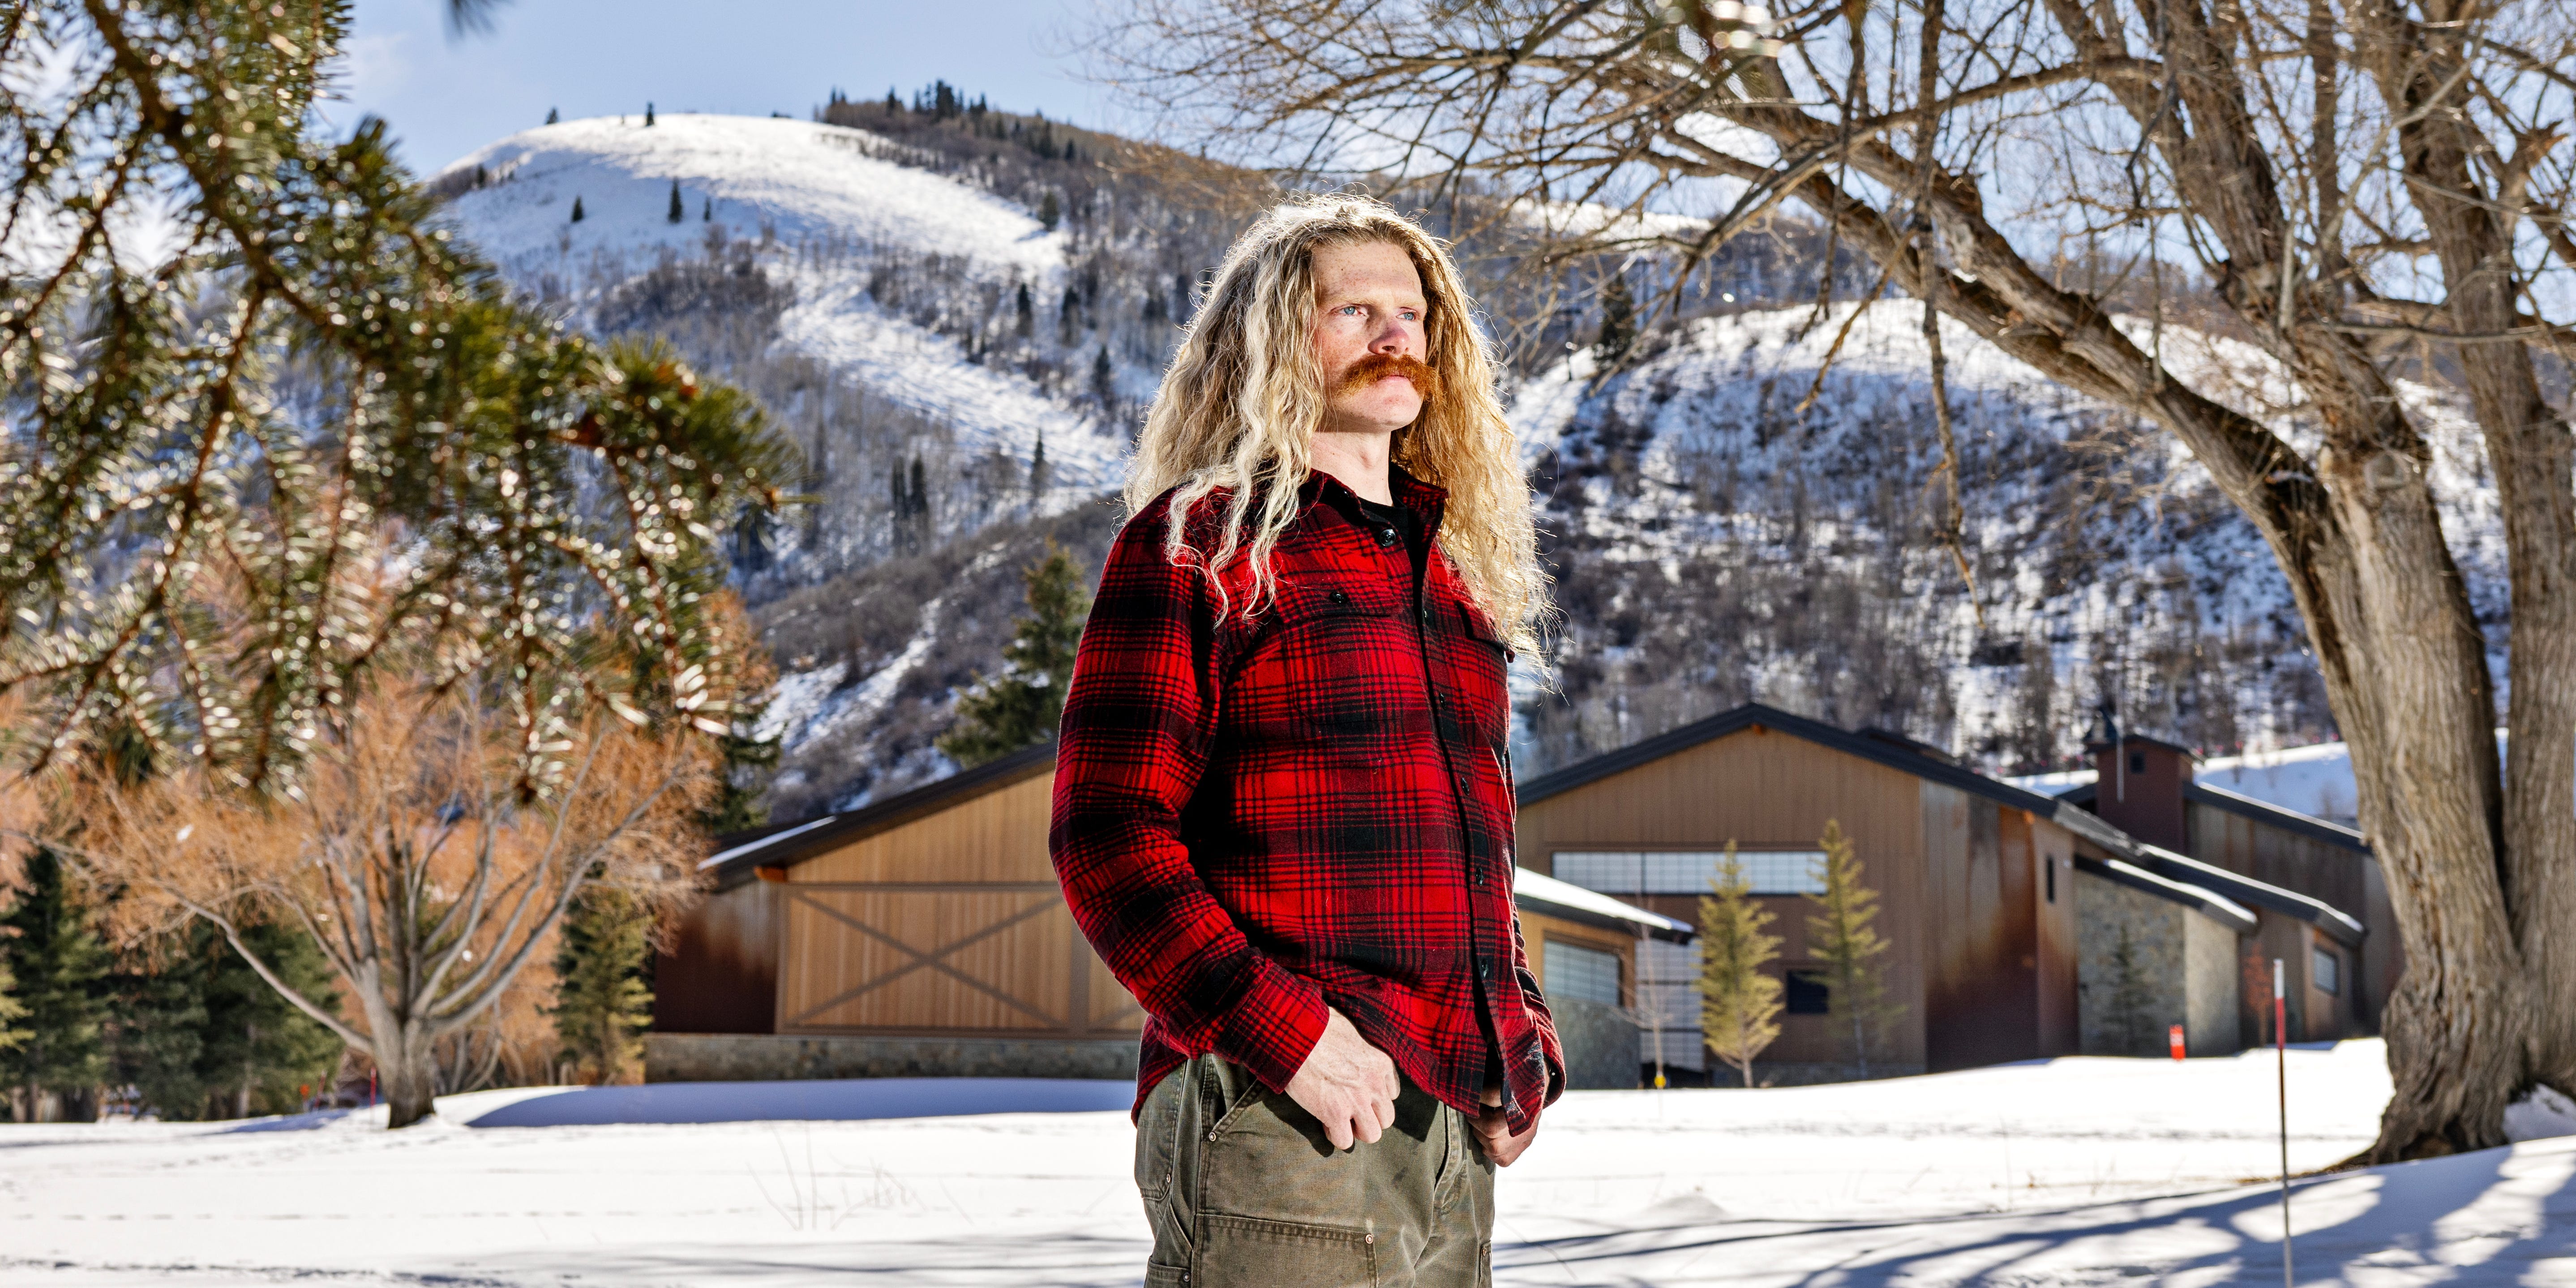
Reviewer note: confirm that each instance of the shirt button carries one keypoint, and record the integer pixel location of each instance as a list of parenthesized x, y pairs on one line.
[(1484, 969), (1385, 537)]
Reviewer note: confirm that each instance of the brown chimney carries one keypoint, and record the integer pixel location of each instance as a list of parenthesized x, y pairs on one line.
[(2140, 788)]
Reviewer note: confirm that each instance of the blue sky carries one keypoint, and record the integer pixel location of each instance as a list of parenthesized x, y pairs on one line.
[(446, 96)]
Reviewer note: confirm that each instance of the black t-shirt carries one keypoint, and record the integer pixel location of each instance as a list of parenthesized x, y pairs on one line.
[(1408, 528)]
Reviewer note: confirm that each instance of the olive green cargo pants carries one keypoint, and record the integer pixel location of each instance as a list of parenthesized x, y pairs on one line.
[(1244, 1191)]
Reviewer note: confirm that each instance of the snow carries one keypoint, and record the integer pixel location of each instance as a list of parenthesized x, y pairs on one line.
[(1566, 894), (819, 203), (2083, 1171), (802, 179)]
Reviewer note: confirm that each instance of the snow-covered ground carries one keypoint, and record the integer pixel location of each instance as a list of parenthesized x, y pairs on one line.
[(2024, 1174)]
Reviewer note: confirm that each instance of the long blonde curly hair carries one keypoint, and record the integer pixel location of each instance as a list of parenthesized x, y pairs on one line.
[(1240, 404)]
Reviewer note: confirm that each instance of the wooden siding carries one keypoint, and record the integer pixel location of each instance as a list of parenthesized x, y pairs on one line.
[(1765, 790), (721, 972), (949, 924), (2342, 877)]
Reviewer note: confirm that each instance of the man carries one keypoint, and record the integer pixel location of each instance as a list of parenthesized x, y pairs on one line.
[(1283, 802)]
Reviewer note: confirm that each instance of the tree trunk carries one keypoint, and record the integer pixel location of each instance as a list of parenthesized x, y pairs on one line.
[(410, 1082)]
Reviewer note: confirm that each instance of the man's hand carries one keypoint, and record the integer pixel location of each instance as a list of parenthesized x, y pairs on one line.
[(1348, 1085), (1494, 1135)]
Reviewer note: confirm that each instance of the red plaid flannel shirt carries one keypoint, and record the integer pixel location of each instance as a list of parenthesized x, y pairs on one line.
[(1259, 817)]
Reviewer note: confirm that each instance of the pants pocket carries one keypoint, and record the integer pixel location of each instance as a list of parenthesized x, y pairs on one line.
[(1251, 1252), (1166, 1276)]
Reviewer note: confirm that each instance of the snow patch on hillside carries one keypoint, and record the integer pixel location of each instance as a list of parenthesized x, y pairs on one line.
[(815, 202)]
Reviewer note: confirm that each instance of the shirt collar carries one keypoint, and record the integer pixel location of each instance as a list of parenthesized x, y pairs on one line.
[(1425, 500)]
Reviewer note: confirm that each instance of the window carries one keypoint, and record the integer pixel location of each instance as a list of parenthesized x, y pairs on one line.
[(1576, 971), (2327, 971), (1772, 872), (2137, 762), (1807, 994), (2051, 865)]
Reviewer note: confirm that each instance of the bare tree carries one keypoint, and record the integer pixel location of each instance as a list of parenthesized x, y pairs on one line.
[(413, 858), (2371, 199)]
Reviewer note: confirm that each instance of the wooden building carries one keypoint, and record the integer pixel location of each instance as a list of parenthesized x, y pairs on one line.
[(1974, 878), (2337, 940), (926, 935), (1978, 882)]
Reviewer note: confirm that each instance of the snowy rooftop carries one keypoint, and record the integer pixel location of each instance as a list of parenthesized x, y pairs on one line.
[(1533, 887)]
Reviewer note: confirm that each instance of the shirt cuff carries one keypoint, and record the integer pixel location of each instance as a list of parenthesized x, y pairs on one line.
[(1275, 1025)]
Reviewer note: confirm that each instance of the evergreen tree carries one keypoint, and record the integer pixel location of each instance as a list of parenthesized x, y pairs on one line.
[(677, 211), (1739, 1002), (707, 213), (1104, 378), (1618, 321), (1021, 706), (11, 1009), (748, 764), (2128, 1012), (892, 103), (602, 1004), (201, 1035), (1038, 471), (1068, 318), (1050, 211), (60, 971), (576, 210), (648, 114), (920, 515), (553, 117), (1028, 313), (898, 509), (1842, 941)]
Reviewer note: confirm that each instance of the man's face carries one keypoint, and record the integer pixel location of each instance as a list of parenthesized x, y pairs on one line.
[(1369, 338)]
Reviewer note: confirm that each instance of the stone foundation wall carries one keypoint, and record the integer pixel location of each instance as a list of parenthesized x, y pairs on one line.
[(764, 1057)]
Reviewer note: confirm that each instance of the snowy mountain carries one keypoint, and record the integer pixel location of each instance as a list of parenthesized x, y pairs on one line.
[(827, 213), (1724, 523)]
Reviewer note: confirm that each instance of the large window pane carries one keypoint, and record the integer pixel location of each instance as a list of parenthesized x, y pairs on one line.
[(1771, 872), (1576, 971)]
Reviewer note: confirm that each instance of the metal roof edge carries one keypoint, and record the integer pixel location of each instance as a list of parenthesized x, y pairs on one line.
[(785, 847), (2209, 903), (1752, 714), (2280, 816), (2343, 926)]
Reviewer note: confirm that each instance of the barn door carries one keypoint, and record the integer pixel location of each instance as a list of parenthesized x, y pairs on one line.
[(991, 958)]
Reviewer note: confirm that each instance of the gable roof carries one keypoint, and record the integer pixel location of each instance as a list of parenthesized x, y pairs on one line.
[(1755, 715), (784, 845)]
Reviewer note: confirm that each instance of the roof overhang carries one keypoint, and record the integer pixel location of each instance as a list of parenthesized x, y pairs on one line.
[(1543, 894)]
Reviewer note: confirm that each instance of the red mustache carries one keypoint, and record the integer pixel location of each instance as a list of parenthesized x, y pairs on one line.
[(1378, 366)]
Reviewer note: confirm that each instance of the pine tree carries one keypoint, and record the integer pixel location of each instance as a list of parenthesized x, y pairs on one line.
[(200, 1035), (576, 210), (11, 1009), (898, 510), (1739, 1002), (553, 117), (1840, 938), (2128, 1012), (1028, 313), (602, 1005), (1068, 318), (648, 114), (60, 971), (920, 499), (1038, 471), (1104, 378), (1050, 211), (1021, 706), (1618, 321), (707, 213), (677, 211)]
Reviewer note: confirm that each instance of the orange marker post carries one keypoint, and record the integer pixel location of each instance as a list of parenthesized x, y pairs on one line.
[(2173, 1038)]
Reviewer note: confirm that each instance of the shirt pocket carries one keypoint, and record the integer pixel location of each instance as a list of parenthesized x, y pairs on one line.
[(1332, 679)]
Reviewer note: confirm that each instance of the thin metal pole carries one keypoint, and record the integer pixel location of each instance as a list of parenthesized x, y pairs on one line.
[(2281, 1044)]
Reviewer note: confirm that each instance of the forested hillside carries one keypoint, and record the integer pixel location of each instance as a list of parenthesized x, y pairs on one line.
[(957, 313)]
